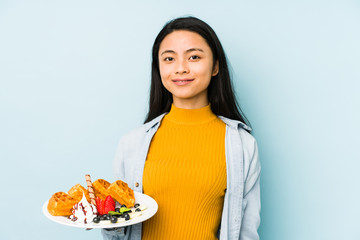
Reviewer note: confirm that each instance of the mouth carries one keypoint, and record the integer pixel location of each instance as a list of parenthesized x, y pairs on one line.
[(181, 82)]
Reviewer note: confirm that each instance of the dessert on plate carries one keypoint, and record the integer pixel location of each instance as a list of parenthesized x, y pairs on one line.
[(96, 203)]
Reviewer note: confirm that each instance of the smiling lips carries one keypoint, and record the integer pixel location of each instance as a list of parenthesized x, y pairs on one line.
[(181, 82)]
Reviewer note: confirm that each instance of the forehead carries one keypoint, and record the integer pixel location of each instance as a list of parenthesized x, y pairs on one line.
[(182, 40)]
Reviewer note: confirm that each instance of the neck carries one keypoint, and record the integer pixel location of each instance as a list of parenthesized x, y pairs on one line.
[(190, 104), (190, 116)]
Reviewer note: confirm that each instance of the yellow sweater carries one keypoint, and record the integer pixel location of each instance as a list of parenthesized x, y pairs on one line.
[(185, 172)]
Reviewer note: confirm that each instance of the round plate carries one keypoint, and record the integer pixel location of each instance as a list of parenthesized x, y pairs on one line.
[(140, 198)]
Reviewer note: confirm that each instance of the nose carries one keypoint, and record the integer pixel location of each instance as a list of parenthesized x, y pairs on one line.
[(181, 67)]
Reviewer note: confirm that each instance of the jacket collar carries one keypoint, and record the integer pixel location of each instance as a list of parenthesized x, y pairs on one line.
[(234, 123), (154, 122), (229, 122)]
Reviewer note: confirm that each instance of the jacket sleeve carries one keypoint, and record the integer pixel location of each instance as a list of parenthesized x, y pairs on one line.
[(251, 202), (116, 233)]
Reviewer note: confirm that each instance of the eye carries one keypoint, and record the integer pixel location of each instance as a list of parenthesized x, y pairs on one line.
[(168, 59), (194, 57)]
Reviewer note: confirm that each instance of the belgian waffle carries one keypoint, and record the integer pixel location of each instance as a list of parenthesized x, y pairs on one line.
[(77, 192), (60, 204), (122, 193), (100, 187)]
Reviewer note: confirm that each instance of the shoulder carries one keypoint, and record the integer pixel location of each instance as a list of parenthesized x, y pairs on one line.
[(138, 135), (249, 143), (133, 136), (247, 140), (241, 127)]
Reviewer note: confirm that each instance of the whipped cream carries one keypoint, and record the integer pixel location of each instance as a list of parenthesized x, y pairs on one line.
[(83, 211)]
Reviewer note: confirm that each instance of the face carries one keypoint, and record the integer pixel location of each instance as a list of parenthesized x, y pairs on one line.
[(186, 67)]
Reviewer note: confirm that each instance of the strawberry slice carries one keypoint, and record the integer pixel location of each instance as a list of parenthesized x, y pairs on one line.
[(109, 204), (100, 205)]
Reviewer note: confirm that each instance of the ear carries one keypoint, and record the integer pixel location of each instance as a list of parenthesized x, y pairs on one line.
[(215, 68)]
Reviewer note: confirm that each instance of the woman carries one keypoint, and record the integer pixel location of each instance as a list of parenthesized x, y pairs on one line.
[(194, 155)]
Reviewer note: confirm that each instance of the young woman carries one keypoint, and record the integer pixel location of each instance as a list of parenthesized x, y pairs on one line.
[(194, 155)]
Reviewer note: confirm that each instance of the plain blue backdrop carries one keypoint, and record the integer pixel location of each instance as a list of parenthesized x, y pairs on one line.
[(74, 77)]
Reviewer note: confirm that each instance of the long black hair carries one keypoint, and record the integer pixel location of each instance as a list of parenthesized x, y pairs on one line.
[(220, 91)]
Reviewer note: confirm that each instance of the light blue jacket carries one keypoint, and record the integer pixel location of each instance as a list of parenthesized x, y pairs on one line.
[(241, 212)]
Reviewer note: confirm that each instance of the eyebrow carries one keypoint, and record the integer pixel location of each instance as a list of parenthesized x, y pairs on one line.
[(187, 51)]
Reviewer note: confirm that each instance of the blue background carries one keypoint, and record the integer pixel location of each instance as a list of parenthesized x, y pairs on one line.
[(74, 77)]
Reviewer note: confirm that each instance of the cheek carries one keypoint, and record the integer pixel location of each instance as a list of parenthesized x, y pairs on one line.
[(204, 71), (164, 71), (204, 68), (164, 75)]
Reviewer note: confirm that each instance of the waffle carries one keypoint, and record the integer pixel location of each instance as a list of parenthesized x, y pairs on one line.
[(100, 187), (60, 204), (77, 192), (122, 193)]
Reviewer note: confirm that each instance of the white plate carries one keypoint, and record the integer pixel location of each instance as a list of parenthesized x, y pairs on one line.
[(140, 198)]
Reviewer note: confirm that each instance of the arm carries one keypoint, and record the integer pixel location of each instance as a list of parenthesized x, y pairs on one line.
[(251, 201)]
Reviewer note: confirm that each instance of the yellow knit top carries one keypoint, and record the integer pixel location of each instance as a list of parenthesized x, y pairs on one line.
[(185, 172)]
